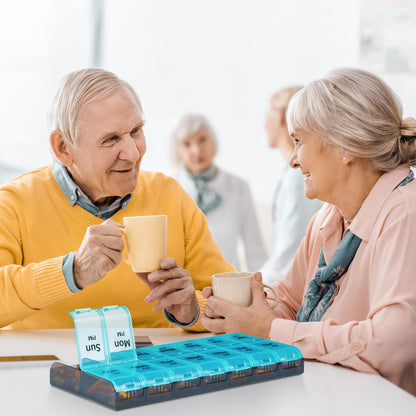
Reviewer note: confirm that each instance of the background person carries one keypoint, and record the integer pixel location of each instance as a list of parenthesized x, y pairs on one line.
[(292, 211), (224, 198), (349, 296), (60, 238), (8, 172)]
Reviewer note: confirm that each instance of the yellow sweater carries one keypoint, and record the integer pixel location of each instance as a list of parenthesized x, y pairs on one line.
[(38, 227)]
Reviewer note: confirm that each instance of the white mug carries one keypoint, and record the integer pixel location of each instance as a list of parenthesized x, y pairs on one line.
[(146, 241), (235, 287)]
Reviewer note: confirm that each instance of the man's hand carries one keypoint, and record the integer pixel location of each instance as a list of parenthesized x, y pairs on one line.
[(224, 317), (174, 290), (99, 253)]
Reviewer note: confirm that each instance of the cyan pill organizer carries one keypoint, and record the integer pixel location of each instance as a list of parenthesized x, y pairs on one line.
[(113, 372)]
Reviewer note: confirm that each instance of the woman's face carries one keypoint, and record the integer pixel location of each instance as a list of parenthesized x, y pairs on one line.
[(197, 151), (321, 165)]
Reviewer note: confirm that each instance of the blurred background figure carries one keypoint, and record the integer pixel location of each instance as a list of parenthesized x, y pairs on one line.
[(291, 211), (225, 199), (9, 172)]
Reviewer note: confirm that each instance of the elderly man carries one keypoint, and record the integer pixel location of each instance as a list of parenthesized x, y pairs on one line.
[(60, 237)]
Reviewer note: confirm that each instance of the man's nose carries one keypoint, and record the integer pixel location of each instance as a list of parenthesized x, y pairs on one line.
[(129, 150)]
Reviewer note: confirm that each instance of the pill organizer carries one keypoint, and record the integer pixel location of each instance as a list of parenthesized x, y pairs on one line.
[(113, 372)]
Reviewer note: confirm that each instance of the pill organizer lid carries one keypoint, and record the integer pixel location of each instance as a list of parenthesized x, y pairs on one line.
[(101, 334), (206, 357)]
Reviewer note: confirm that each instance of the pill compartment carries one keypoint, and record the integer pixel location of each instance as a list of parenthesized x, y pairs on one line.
[(122, 376)]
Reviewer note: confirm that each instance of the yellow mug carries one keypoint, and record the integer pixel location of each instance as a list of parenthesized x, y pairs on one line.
[(146, 241)]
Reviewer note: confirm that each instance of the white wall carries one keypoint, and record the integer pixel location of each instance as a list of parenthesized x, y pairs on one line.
[(40, 41), (223, 58)]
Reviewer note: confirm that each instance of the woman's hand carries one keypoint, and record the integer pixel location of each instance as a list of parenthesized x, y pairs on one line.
[(223, 317)]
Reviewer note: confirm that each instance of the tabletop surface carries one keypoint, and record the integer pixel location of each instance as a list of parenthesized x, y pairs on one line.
[(322, 390)]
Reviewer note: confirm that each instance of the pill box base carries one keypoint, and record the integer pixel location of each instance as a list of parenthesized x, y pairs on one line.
[(83, 384)]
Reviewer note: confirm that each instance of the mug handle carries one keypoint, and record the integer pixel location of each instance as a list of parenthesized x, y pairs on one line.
[(127, 261), (276, 300)]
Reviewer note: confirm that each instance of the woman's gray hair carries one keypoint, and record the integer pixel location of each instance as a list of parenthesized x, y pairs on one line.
[(185, 126), (80, 88), (357, 112)]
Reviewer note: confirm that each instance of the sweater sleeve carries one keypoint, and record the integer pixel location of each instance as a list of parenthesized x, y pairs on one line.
[(25, 288), (203, 257)]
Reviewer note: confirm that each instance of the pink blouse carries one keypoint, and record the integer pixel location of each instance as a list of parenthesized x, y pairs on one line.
[(371, 324)]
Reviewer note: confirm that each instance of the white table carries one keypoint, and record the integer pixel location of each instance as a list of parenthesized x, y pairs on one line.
[(322, 389)]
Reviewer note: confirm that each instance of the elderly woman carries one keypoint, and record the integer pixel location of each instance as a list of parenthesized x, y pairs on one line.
[(349, 296), (224, 198), (292, 211)]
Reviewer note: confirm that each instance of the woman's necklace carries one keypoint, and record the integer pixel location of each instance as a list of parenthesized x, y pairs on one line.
[(345, 224), (348, 221)]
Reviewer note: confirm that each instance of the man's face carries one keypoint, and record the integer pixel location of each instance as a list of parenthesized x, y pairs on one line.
[(109, 147)]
